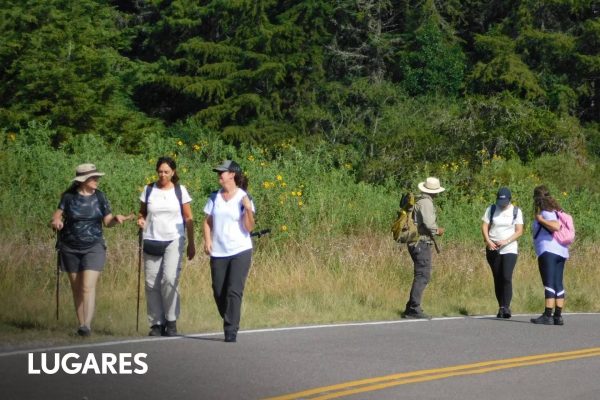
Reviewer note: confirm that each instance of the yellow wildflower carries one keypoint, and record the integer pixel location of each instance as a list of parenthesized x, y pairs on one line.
[(250, 157), (284, 228), (279, 177), (179, 143)]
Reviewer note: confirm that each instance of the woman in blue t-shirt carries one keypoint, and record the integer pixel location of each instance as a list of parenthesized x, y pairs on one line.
[(82, 211), (227, 226), (551, 255)]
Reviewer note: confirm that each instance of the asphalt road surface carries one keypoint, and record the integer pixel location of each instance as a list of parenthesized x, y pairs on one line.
[(453, 358)]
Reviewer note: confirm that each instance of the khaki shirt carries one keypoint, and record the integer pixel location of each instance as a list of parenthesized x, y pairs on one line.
[(426, 217)]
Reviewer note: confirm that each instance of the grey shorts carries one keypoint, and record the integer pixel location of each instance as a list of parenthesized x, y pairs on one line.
[(75, 260)]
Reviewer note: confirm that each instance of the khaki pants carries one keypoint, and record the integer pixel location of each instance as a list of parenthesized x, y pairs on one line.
[(162, 283)]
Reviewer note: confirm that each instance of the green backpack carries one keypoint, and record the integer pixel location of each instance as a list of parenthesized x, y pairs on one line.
[(404, 228)]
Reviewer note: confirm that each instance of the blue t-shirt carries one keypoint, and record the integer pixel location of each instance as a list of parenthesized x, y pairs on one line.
[(544, 241), (83, 217)]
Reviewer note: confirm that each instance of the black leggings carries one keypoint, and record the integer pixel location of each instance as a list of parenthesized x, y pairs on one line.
[(502, 266), (552, 267)]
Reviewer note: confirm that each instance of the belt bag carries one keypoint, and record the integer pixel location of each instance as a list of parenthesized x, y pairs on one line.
[(156, 247)]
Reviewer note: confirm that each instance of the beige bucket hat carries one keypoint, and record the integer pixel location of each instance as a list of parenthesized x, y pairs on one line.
[(85, 171)]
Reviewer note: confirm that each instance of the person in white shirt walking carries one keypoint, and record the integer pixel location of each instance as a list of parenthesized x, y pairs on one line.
[(165, 217), (502, 226), (227, 227)]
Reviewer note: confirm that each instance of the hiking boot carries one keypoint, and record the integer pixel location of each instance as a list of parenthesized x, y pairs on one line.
[(500, 313), (156, 330), (507, 313), (84, 331), (543, 319), (558, 320), (416, 315), (171, 328)]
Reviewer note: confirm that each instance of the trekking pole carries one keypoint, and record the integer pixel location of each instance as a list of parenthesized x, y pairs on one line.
[(261, 232), (140, 251), (57, 248), (437, 248)]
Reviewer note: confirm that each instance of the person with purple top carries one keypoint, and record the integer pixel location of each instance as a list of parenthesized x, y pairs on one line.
[(551, 255)]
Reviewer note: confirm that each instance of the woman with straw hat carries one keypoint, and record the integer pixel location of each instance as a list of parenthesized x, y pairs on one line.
[(81, 212)]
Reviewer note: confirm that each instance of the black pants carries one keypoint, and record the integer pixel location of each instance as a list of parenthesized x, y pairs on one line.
[(228, 279), (421, 256), (502, 266)]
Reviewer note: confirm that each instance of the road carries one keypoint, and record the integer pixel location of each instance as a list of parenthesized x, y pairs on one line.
[(451, 358)]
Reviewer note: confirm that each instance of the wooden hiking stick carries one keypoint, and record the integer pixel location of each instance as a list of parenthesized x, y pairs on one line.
[(140, 251)]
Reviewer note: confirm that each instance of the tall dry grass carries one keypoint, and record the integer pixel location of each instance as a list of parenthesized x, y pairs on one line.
[(344, 278)]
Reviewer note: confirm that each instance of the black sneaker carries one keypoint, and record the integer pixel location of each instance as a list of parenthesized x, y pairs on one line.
[(84, 331), (230, 337), (500, 313), (416, 315), (558, 320), (507, 313), (543, 319), (156, 330), (171, 328)]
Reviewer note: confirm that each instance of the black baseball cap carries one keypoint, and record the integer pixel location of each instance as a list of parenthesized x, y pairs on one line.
[(228, 165), (503, 197)]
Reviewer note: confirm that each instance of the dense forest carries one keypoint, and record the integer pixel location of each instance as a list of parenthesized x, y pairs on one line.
[(384, 83)]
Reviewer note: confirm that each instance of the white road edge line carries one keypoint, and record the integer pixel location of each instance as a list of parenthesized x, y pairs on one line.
[(265, 330)]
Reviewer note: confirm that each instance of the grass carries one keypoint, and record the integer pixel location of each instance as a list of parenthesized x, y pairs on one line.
[(343, 278), (329, 257)]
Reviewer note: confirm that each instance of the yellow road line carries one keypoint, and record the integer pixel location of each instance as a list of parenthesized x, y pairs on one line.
[(377, 383)]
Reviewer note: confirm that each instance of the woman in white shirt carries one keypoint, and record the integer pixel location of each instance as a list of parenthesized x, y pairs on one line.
[(502, 226), (227, 226), (165, 217)]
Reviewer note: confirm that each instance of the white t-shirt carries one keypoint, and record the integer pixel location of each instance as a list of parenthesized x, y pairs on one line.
[(503, 226), (163, 213), (229, 237)]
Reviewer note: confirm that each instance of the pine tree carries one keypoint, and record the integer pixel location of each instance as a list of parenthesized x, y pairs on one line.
[(61, 63), (239, 67)]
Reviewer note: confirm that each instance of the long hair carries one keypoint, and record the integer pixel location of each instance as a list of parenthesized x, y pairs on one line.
[(241, 180), (542, 200), (72, 189), (171, 163)]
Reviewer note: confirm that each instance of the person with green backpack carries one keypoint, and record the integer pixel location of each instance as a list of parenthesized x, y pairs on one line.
[(501, 227), (420, 251)]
